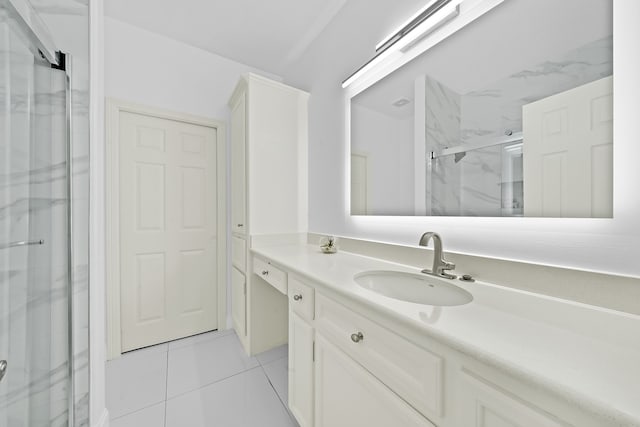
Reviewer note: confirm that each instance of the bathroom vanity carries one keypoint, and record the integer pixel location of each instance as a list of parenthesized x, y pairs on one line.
[(473, 135), (268, 195), (506, 358)]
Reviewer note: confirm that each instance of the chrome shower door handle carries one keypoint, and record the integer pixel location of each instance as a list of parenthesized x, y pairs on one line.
[(23, 243), (3, 368)]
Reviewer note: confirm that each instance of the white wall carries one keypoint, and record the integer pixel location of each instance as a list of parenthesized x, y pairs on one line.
[(607, 245), (387, 142), (149, 69)]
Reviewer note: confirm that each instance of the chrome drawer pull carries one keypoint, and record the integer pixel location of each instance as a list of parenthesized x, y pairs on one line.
[(297, 297), (356, 338)]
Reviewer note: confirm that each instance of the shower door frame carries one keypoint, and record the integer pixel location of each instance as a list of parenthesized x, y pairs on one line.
[(38, 35)]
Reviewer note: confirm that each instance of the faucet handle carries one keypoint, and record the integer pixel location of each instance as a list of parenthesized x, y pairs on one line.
[(446, 265)]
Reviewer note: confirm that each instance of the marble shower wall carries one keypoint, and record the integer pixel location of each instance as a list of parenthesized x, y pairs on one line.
[(34, 203), (476, 180), (443, 115), (492, 110)]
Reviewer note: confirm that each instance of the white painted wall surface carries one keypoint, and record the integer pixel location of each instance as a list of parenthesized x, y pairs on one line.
[(150, 69), (387, 142), (606, 245)]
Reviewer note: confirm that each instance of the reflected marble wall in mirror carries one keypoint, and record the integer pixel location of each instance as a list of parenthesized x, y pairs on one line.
[(510, 116)]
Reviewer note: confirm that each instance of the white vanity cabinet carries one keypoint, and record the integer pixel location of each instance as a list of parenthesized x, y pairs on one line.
[(350, 366), (330, 387), (482, 403), (238, 301), (301, 351), (238, 163), (268, 197), (347, 395)]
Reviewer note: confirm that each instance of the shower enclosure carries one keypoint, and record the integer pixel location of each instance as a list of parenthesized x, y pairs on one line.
[(481, 179), (36, 386)]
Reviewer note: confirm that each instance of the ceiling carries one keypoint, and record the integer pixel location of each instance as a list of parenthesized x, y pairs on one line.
[(268, 35)]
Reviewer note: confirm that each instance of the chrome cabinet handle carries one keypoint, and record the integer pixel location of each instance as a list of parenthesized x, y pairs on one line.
[(240, 225), (357, 337), (297, 297), (3, 368), (265, 272)]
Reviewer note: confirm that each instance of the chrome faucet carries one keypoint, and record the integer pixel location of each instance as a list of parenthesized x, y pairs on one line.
[(440, 265)]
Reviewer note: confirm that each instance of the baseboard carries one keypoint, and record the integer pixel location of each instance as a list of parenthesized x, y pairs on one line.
[(104, 419)]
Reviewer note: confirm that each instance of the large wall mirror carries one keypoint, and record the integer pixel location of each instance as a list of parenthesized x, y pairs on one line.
[(510, 116)]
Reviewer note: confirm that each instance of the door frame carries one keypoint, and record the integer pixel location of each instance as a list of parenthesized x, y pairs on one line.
[(113, 109)]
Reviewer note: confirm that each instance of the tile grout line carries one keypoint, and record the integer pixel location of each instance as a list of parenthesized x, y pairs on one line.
[(155, 349), (202, 339), (214, 382), (136, 411), (259, 364), (271, 361), (273, 388), (285, 405)]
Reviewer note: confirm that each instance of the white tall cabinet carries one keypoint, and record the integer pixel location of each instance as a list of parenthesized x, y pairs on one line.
[(269, 139)]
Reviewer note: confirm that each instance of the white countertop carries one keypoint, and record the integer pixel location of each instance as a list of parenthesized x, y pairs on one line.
[(588, 355)]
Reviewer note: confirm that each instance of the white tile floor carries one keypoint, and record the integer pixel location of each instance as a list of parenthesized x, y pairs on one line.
[(201, 381)]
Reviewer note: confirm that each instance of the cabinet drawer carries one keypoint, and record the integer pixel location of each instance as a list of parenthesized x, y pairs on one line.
[(238, 253), (301, 298), (413, 372), (273, 275)]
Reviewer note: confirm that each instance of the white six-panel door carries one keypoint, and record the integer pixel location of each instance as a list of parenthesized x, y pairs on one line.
[(568, 153), (168, 260), (358, 184)]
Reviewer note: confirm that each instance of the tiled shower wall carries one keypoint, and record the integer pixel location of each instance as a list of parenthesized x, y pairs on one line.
[(472, 186), (443, 123)]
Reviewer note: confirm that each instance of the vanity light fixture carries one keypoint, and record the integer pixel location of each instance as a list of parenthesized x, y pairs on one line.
[(428, 19), (410, 24)]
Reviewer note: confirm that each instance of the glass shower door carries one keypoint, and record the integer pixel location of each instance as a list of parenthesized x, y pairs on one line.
[(35, 301)]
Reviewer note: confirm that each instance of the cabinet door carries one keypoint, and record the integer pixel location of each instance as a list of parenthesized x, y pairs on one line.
[(301, 370), (239, 302), (484, 404), (347, 395), (238, 166)]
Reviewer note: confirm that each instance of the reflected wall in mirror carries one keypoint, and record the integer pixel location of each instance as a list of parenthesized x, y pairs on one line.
[(510, 116)]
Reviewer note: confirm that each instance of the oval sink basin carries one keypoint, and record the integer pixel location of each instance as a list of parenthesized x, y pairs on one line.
[(417, 288)]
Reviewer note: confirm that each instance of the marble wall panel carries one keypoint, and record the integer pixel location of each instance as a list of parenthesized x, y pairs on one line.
[(472, 187)]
